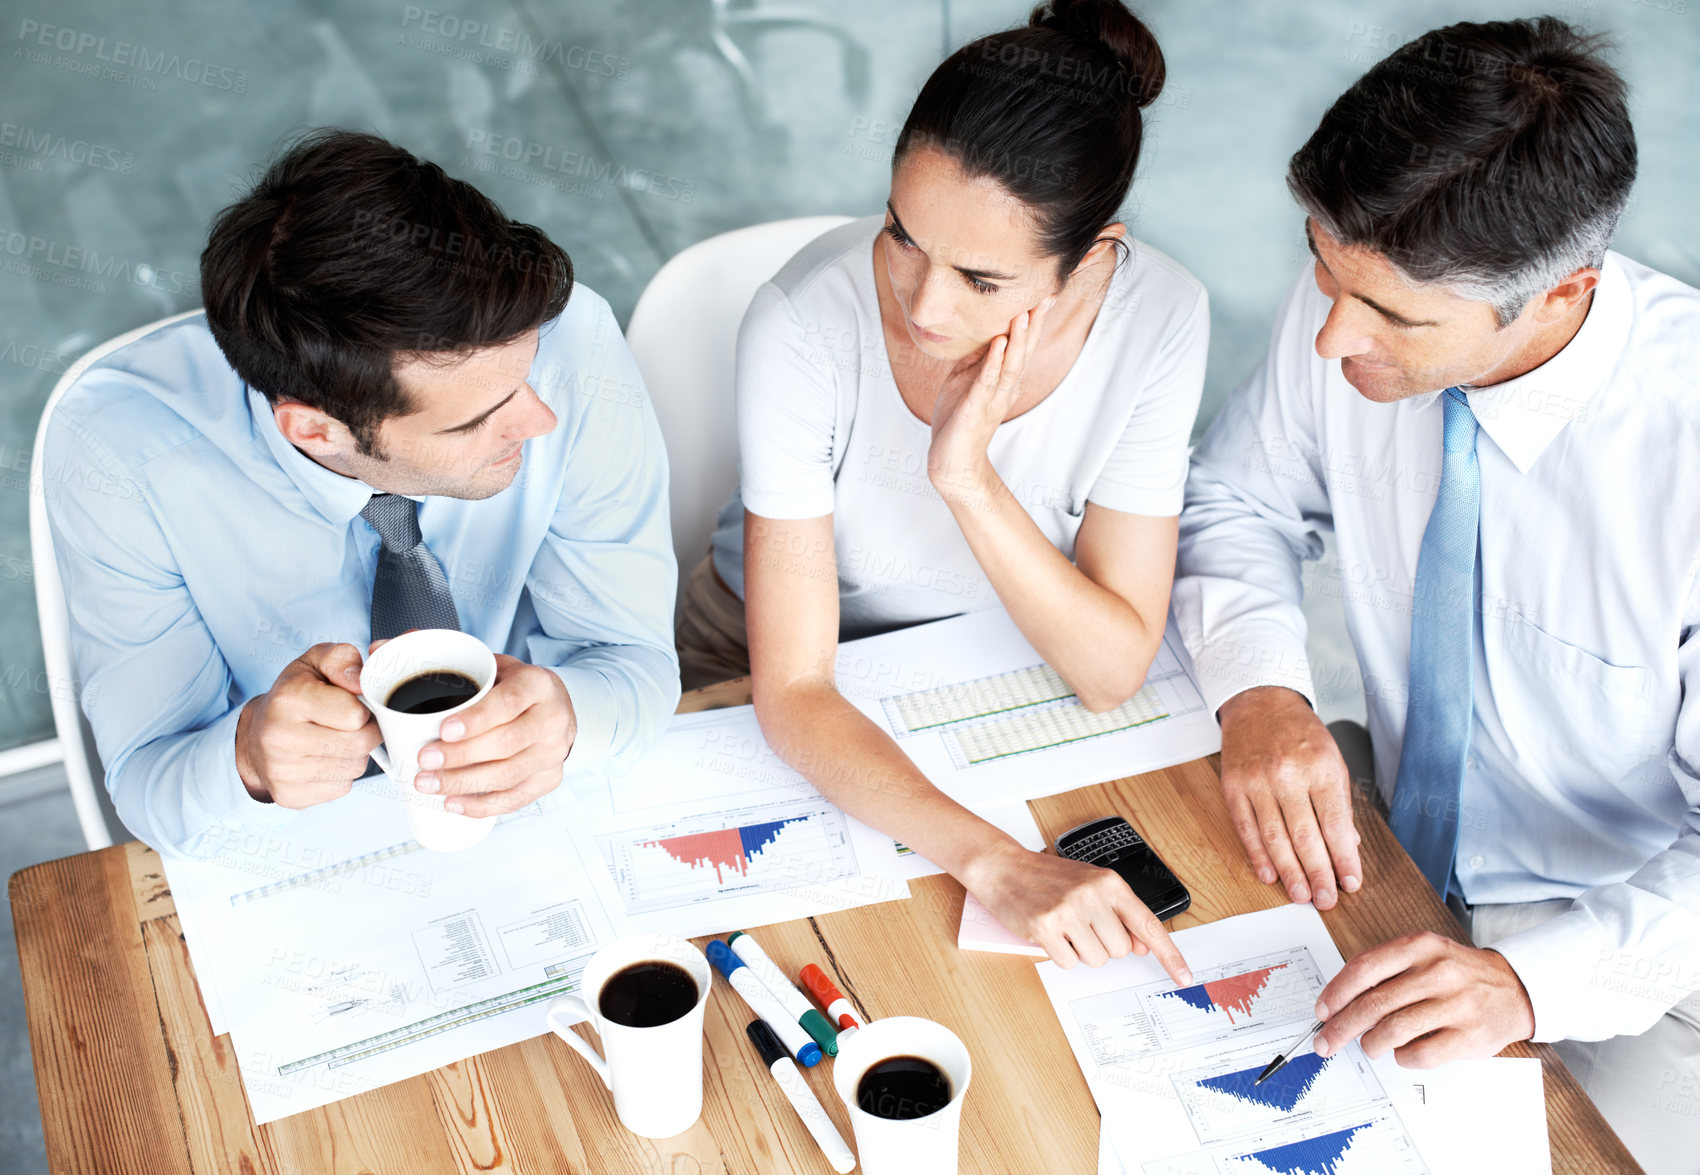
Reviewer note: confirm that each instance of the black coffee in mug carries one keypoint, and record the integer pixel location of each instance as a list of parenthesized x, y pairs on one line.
[(648, 994), (902, 1088), (431, 692)]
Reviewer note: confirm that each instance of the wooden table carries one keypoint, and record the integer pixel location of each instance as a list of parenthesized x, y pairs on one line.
[(131, 1077)]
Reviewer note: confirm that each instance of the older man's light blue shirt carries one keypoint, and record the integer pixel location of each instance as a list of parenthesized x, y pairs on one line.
[(201, 553)]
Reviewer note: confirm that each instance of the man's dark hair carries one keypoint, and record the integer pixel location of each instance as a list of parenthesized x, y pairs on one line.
[(1492, 158), (351, 254), (1051, 111)]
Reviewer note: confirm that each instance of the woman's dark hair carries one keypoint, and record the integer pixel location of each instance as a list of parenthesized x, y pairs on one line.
[(1492, 158), (1049, 111), (351, 253)]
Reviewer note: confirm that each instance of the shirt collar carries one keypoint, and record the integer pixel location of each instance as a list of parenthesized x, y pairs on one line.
[(339, 499), (1524, 415)]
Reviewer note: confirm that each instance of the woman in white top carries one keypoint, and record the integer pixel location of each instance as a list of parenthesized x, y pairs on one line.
[(982, 401)]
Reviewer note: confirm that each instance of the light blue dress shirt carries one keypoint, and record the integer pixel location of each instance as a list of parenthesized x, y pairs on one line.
[(1582, 777), (201, 553)]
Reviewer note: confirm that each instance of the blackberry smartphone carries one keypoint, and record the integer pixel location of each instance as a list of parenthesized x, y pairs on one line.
[(1112, 843)]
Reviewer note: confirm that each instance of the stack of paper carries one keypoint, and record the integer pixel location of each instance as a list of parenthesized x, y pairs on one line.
[(341, 956), (1173, 1069)]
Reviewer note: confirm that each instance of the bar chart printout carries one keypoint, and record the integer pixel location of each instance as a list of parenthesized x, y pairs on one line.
[(1174, 1069), (1229, 1001), (1370, 1145), (1224, 1102), (761, 848)]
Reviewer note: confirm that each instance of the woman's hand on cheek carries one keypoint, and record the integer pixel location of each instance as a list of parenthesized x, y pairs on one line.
[(969, 410)]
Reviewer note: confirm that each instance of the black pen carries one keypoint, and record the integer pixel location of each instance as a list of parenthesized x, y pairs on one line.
[(1274, 1066)]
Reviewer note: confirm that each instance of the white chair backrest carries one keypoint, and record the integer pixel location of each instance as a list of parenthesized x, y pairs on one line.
[(82, 764), (684, 334)]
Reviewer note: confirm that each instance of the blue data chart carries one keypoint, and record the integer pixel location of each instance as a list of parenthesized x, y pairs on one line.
[(1321, 1155), (1282, 1091), (1371, 1143), (1225, 1102)]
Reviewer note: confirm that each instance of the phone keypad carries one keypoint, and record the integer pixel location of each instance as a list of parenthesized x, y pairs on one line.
[(1105, 842)]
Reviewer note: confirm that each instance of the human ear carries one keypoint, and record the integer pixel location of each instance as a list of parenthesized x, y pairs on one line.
[(312, 431), (1559, 301), (1106, 241)]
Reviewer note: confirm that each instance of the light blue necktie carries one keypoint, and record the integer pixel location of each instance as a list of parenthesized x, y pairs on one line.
[(1440, 713)]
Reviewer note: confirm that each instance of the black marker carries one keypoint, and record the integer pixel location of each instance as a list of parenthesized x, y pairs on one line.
[(796, 1090)]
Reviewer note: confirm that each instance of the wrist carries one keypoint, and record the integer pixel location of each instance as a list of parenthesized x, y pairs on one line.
[(964, 481), (986, 859), (1524, 1027), (1260, 697)]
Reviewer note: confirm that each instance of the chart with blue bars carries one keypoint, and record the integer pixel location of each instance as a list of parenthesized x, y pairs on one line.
[(1376, 1145), (1223, 1100), (1184, 1061)]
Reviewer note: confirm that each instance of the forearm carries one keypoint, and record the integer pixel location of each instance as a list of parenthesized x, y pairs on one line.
[(622, 697), (179, 792), (1238, 591), (857, 766), (1101, 644), (1618, 960)]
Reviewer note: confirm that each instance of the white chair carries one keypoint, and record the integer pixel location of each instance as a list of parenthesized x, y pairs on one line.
[(684, 334), (82, 765)]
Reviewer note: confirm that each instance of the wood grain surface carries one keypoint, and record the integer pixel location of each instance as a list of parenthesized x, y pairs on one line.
[(131, 1078)]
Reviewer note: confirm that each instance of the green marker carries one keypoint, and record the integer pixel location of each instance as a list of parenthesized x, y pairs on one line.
[(793, 1001)]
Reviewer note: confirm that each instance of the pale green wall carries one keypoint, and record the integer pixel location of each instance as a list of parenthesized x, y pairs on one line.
[(629, 89)]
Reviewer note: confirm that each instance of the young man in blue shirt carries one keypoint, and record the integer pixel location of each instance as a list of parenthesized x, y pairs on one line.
[(396, 412)]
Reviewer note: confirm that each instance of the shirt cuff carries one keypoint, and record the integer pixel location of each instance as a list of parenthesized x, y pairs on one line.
[(1582, 988), (1265, 654), (1164, 503), (596, 715), (788, 507)]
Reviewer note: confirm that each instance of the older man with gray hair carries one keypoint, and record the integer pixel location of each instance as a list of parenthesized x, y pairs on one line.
[(1499, 419)]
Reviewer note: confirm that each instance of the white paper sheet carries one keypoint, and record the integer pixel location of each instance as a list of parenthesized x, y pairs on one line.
[(1486, 1115), (341, 956), (977, 710), (1109, 1163), (345, 957), (361, 837), (712, 831), (1171, 1069)]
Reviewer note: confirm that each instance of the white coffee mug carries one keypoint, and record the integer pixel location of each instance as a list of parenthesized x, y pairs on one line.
[(425, 650), (912, 1146), (654, 1073)]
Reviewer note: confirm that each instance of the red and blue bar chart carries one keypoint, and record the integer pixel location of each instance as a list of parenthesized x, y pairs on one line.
[(737, 851)]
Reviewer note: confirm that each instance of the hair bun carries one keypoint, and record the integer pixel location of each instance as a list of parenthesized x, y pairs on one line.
[(1109, 23)]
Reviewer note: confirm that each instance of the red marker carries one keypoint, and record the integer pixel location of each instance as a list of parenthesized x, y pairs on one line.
[(838, 1009)]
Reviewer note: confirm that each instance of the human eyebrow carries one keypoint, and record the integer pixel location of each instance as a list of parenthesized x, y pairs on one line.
[(1392, 316), (985, 275), (481, 417)]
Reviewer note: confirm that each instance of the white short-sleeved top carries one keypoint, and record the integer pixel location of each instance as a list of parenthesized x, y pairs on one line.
[(823, 429)]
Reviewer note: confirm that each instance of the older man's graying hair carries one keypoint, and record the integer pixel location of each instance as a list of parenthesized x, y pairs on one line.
[(1492, 159)]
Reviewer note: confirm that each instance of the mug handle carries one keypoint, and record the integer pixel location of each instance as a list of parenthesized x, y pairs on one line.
[(579, 1044), (380, 754)]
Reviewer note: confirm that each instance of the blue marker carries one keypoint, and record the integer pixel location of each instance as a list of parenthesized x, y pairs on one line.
[(763, 1004), (795, 1003)]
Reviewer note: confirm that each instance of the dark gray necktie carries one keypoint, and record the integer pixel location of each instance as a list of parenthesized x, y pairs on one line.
[(410, 590)]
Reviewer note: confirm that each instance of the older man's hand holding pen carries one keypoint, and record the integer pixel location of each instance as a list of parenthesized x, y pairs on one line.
[(1428, 1000)]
